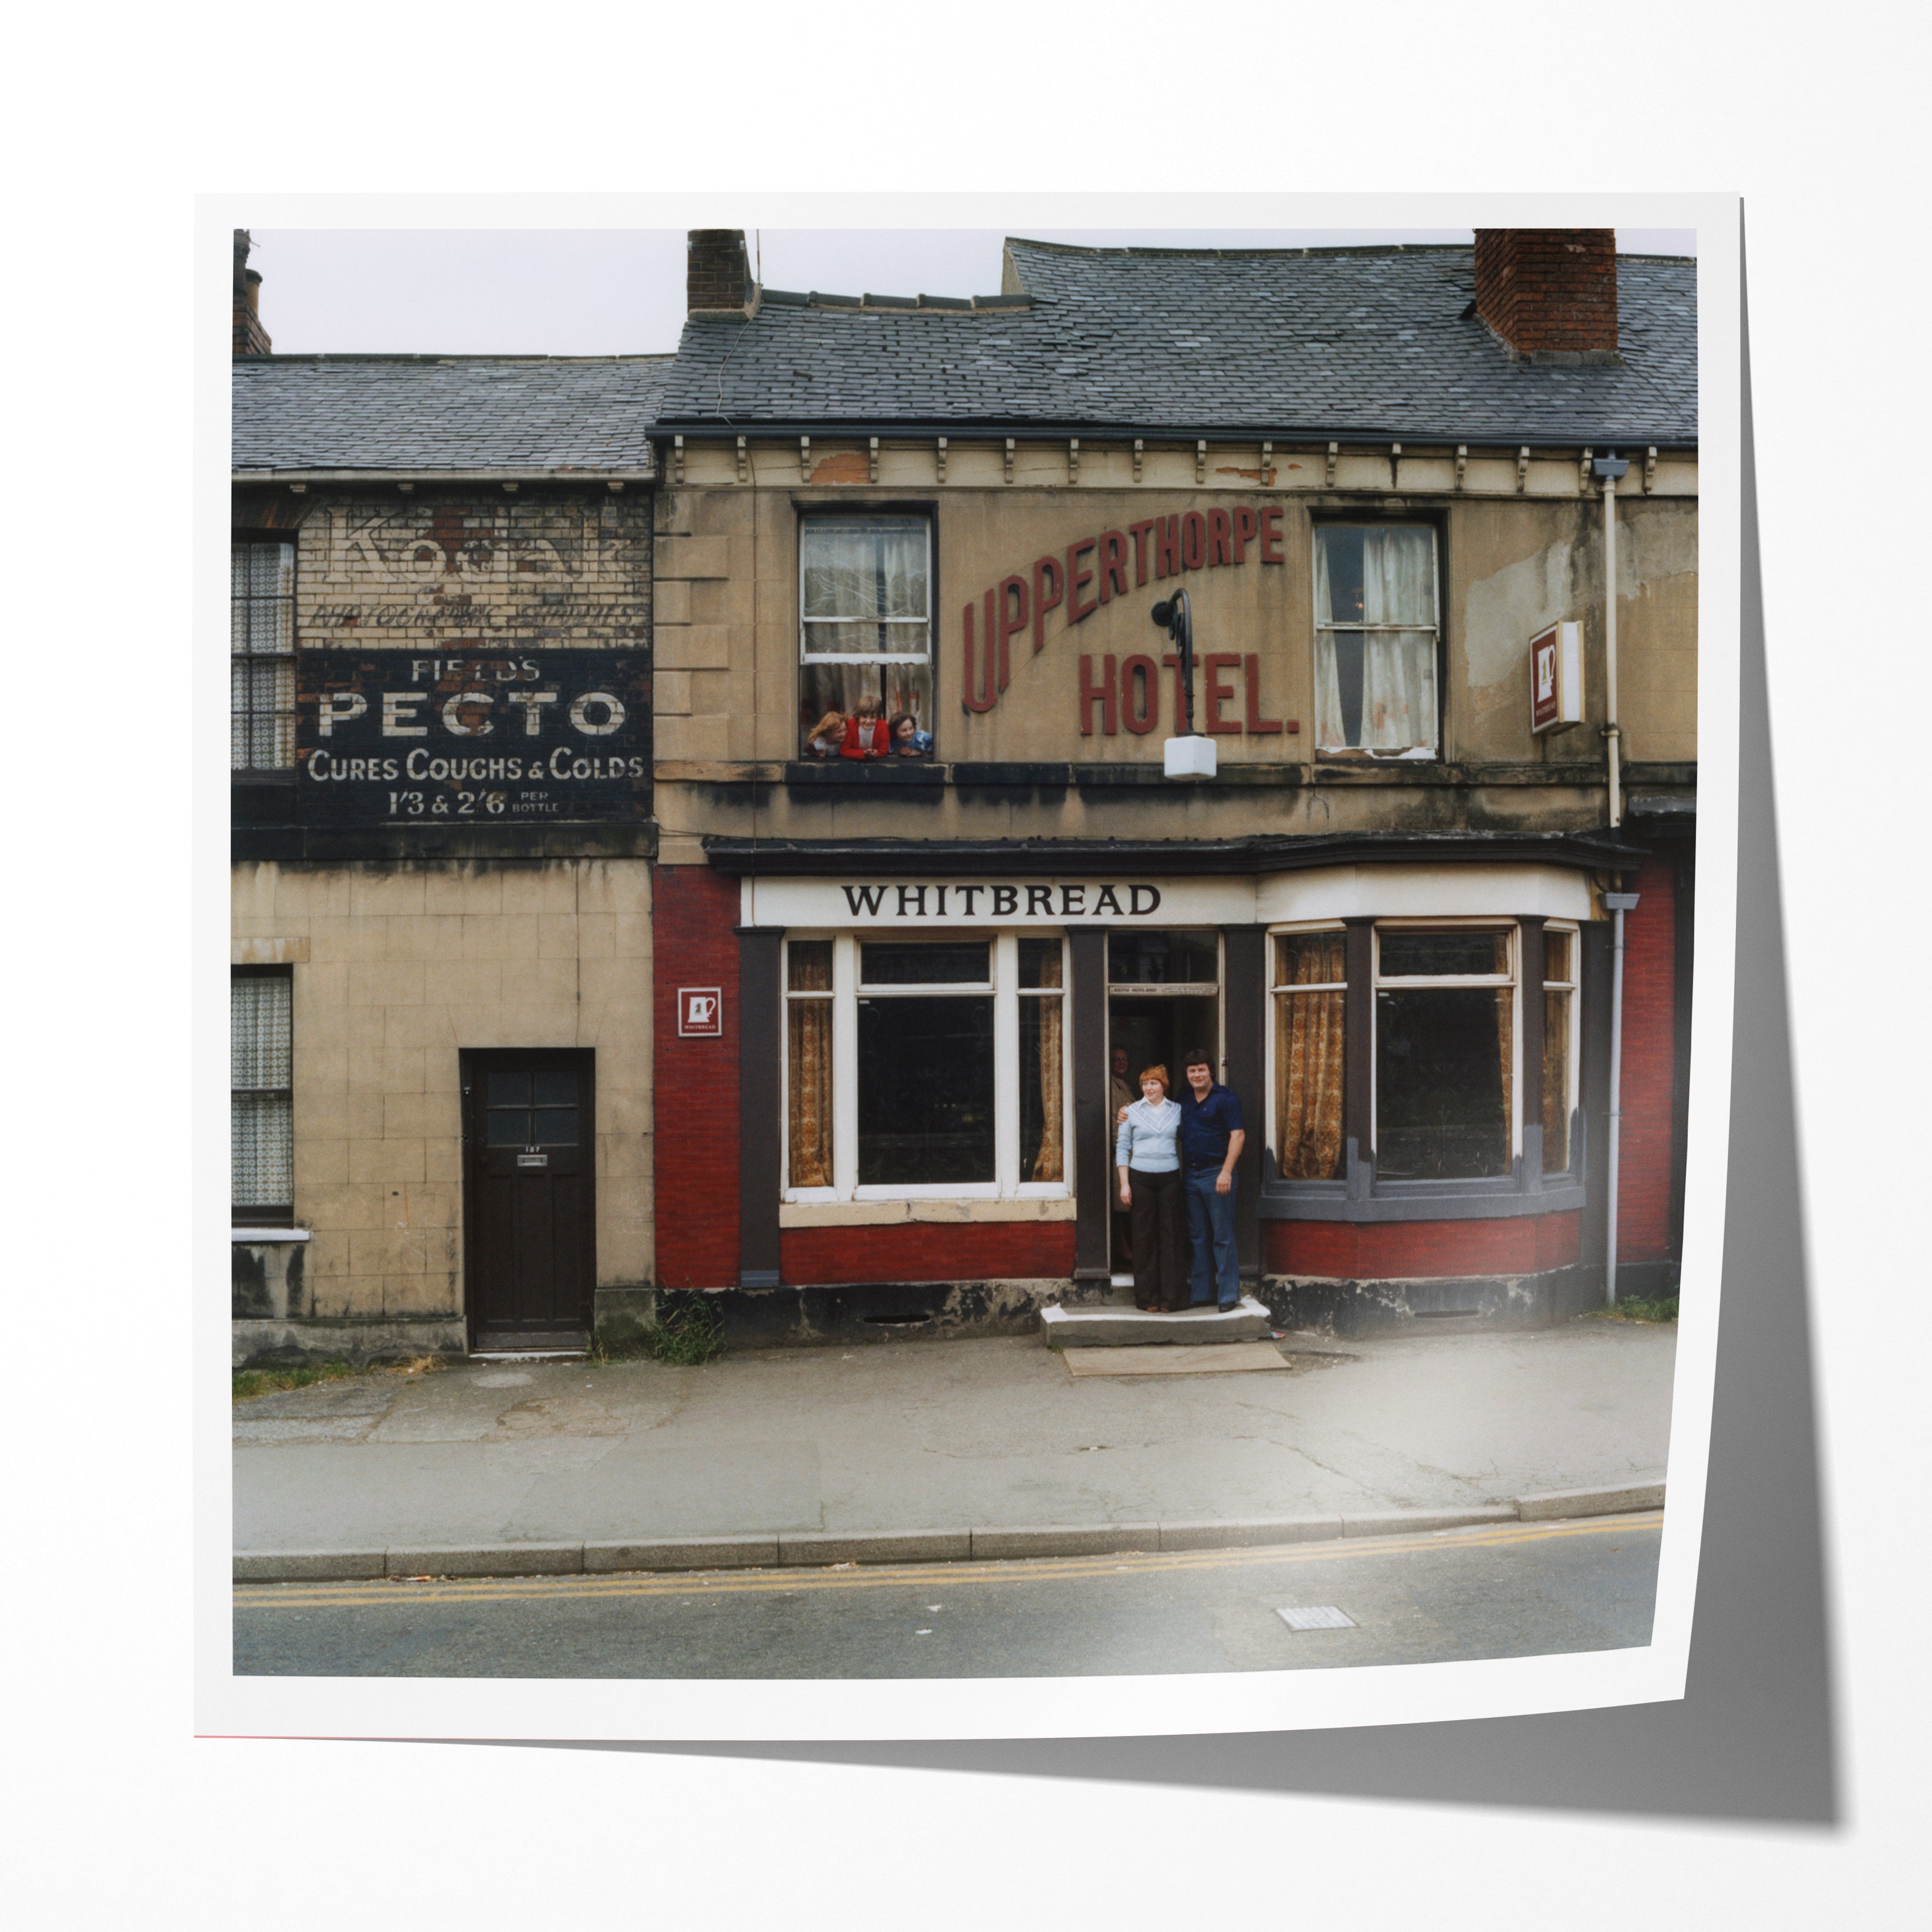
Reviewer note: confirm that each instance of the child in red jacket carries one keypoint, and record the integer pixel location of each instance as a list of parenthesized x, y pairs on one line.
[(865, 733)]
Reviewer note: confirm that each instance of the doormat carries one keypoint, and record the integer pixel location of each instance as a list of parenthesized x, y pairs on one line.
[(1176, 1358)]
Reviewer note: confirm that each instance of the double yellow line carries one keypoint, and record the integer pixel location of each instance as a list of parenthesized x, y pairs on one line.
[(877, 1576)]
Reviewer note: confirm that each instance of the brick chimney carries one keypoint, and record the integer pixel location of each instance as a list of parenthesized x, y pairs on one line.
[(717, 277), (251, 337), (1549, 293)]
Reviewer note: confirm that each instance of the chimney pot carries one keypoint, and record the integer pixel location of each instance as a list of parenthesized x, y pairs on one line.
[(717, 277), (251, 337), (1550, 292)]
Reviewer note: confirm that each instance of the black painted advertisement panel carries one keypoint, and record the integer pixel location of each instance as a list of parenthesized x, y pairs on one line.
[(390, 737)]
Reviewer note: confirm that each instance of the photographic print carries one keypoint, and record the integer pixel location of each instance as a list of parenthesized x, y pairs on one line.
[(990, 1008)]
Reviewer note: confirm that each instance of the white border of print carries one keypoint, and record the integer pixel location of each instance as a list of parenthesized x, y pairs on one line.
[(979, 1707)]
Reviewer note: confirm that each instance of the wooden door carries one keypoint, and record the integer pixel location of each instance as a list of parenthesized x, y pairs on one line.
[(530, 1214)]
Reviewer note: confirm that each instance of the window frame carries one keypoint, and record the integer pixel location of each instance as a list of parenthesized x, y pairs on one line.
[(282, 771), (280, 1213), (1573, 1042), (1006, 992), (926, 514), (1358, 519)]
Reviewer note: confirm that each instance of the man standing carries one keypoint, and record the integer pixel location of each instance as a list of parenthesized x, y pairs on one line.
[(1211, 1140)]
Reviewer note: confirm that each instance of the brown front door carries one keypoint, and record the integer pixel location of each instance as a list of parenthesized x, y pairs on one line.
[(529, 1213)]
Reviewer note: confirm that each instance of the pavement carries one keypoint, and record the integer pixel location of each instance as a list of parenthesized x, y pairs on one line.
[(936, 1451)]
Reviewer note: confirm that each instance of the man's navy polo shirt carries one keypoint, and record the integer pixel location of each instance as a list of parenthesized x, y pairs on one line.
[(1206, 1124)]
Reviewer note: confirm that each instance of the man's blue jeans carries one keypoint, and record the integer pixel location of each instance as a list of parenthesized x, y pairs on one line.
[(1210, 1236)]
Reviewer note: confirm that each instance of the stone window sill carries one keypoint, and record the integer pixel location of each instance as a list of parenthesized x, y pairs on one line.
[(1419, 1201)]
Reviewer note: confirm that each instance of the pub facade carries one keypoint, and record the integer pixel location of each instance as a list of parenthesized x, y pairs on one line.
[(926, 891)]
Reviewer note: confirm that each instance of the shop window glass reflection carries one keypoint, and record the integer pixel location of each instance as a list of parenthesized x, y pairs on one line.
[(926, 1090)]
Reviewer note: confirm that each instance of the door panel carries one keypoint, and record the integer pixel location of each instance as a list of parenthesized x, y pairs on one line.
[(529, 1180)]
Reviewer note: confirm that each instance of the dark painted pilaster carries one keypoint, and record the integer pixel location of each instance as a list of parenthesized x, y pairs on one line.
[(760, 1182), (1093, 1170), (1245, 1070)]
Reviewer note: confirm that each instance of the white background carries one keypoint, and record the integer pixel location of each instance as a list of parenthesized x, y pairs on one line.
[(119, 1815)]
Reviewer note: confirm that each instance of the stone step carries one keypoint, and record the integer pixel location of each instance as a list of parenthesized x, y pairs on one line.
[(1110, 1326)]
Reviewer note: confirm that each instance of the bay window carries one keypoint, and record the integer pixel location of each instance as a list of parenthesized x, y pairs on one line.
[(1310, 997), (924, 1068), (865, 625), (1374, 640)]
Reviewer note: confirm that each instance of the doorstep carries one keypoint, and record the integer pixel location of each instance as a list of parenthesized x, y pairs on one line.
[(1105, 1326)]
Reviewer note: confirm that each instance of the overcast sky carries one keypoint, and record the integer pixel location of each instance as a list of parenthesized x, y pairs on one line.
[(593, 291)]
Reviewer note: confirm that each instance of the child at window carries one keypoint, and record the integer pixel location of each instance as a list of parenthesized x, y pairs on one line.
[(865, 733), (827, 737), (908, 740)]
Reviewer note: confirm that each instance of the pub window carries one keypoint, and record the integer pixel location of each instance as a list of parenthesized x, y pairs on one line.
[(865, 635), (261, 655), (1559, 1056), (925, 1067), (1374, 640), (1310, 995), (261, 1137), (1445, 1048)]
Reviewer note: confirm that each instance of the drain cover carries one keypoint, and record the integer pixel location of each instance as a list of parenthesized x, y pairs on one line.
[(1316, 1616)]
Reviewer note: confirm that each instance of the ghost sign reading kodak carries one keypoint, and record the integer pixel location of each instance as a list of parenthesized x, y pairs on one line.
[(384, 737)]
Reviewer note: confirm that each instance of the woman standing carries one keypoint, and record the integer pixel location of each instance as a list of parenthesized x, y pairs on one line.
[(1149, 1165)]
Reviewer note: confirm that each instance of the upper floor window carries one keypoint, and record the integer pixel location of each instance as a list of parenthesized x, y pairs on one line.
[(261, 655), (261, 1140), (1374, 640), (865, 680)]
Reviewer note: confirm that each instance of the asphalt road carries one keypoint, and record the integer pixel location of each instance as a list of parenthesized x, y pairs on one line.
[(1505, 1590)]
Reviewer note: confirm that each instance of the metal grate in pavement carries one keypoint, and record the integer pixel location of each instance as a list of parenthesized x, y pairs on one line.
[(1316, 1616)]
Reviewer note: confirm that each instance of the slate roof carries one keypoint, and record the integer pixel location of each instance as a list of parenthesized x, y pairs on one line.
[(1341, 343), (533, 414)]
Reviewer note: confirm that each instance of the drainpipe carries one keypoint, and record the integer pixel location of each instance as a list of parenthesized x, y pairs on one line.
[(1618, 904), (1607, 470)]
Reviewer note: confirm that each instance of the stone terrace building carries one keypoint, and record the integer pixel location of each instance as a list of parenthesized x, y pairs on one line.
[(442, 599), (890, 989)]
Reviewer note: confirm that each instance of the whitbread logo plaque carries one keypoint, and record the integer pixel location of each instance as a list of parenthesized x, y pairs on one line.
[(701, 1012)]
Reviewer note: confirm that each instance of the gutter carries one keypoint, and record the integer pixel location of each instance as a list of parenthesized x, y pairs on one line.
[(1540, 440), (628, 474)]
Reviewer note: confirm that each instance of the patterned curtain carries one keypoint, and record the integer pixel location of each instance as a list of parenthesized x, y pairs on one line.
[(808, 1042), (1050, 1163), (1308, 1058)]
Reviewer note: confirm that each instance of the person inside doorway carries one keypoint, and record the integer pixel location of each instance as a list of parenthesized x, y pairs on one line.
[(1211, 1140), (1119, 1098), (1148, 1160)]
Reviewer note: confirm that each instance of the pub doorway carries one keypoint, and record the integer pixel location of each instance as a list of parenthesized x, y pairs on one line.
[(529, 1207), (1163, 1000)]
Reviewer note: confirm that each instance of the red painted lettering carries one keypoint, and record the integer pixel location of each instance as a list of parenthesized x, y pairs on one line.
[(1215, 693), (1166, 547), (1113, 564), (1076, 580), (1138, 532), (1140, 693), (1011, 592), (1171, 661), (1105, 693), (1245, 526), (1270, 520), (986, 680), (1194, 541), (1256, 723), (1046, 571), (1218, 527)]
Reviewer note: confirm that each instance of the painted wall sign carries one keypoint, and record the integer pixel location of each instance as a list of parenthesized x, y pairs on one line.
[(1095, 570), (388, 737), (1556, 678), (701, 1012)]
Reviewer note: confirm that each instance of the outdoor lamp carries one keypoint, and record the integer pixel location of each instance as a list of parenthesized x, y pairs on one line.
[(1191, 755)]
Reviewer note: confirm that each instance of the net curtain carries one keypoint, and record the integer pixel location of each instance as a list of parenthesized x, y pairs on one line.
[(867, 571), (1398, 588)]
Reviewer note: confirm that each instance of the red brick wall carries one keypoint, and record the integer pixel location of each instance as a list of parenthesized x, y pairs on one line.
[(1420, 1250), (925, 1251), (1644, 1151), (1549, 288), (696, 1082)]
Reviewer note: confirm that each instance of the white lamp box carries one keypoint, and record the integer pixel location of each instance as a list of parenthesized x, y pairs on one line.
[(1556, 678), (1189, 758)]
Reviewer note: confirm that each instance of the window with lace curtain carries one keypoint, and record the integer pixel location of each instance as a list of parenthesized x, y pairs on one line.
[(261, 655), (261, 1137), (924, 1068), (865, 632), (1375, 641)]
